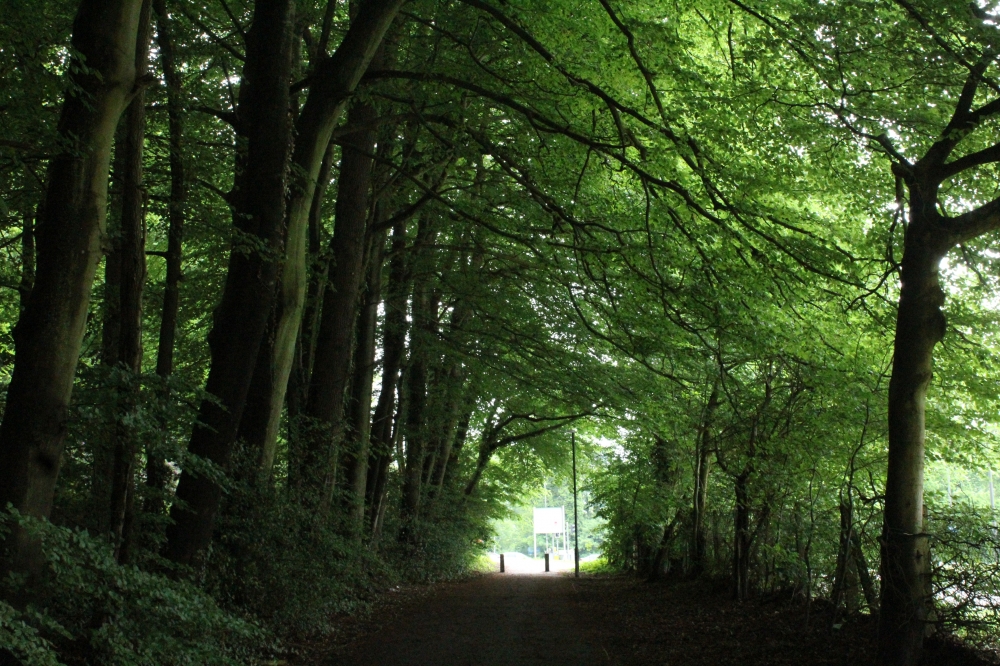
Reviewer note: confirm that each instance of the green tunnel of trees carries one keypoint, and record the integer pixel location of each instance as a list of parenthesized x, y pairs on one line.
[(297, 295)]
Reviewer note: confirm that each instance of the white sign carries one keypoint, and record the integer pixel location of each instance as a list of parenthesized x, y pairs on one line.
[(551, 520)]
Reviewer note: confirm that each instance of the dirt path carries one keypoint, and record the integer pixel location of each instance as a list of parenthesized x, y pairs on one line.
[(508, 620), (556, 620)]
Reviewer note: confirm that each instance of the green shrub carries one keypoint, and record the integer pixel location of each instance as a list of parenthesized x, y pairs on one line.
[(86, 606), (598, 566), (274, 560), (965, 556)]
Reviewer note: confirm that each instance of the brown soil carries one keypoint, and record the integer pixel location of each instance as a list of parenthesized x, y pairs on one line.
[(553, 619)]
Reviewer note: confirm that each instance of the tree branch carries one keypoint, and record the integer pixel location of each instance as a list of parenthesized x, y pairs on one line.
[(208, 31), (646, 74), (976, 222), (963, 120), (978, 158), (227, 117), (562, 421)]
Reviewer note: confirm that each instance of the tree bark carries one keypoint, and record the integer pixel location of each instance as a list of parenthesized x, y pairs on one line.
[(157, 472), (843, 557), (27, 280), (482, 461), (656, 567), (178, 193), (253, 429), (920, 325), (132, 279), (451, 407), (461, 436), (305, 346), (241, 317), (50, 331), (102, 446), (702, 466), (381, 492), (455, 398), (277, 356), (436, 393), (332, 82), (416, 374), (742, 538), (393, 348), (332, 362), (867, 585), (359, 407), (416, 391)]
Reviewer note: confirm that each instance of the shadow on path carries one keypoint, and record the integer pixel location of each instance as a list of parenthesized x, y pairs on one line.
[(554, 619), (500, 619)]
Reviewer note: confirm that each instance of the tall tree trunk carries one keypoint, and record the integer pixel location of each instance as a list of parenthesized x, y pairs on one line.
[(102, 446), (178, 193), (253, 428), (656, 567), (380, 489), (132, 279), (486, 449), (295, 283), (246, 303), (359, 408), (864, 576), (702, 466), (332, 82), (454, 377), (919, 326), (416, 381), (393, 348), (843, 557), (332, 362), (241, 317), (305, 346), (437, 394), (50, 331), (380, 497), (157, 472), (454, 400), (27, 280), (742, 538), (277, 354), (461, 436)]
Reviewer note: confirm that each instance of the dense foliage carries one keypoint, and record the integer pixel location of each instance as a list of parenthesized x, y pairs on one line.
[(361, 266)]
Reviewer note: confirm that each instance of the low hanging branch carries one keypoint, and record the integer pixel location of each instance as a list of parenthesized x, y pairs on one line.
[(492, 442)]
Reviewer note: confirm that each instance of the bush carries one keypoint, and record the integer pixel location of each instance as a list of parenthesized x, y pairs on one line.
[(965, 556), (598, 566), (273, 559), (97, 611)]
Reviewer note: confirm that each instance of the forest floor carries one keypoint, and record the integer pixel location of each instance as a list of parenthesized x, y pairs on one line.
[(556, 620)]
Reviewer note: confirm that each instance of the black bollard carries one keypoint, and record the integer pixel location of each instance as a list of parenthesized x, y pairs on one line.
[(546, 562), (501, 562)]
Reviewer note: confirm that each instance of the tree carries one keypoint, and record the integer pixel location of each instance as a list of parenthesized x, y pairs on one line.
[(50, 331)]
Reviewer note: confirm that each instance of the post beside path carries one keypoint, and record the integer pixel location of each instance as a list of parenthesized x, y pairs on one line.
[(576, 517), (546, 562), (501, 563)]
